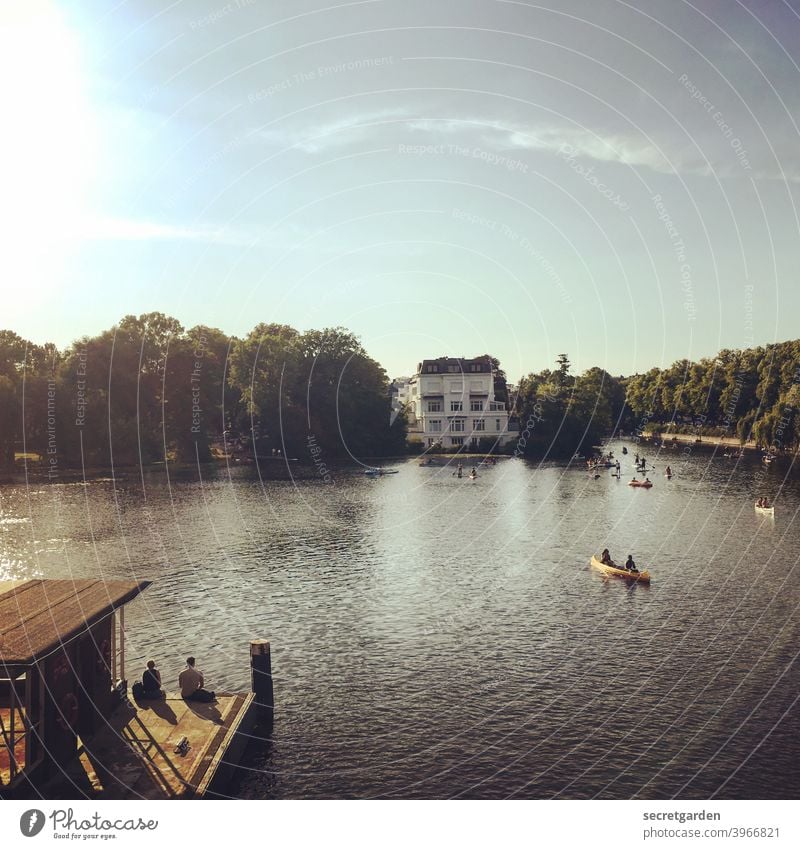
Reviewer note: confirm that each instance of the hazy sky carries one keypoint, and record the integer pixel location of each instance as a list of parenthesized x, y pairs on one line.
[(614, 180)]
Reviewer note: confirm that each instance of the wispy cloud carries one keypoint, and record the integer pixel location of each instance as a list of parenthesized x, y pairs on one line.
[(335, 133)]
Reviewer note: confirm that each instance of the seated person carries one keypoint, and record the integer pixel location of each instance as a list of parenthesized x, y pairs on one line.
[(151, 682), (605, 557), (191, 682), (630, 565)]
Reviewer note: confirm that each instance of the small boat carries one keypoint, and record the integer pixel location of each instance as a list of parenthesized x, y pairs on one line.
[(766, 511), (639, 577), (472, 477), (624, 450), (645, 484), (769, 458), (377, 473)]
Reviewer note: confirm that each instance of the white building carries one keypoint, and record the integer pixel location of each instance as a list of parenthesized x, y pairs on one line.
[(454, 404), (400, 392)]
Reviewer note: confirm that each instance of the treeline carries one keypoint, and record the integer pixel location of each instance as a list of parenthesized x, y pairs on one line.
[(561, 414), (747, 394), (149, 390)]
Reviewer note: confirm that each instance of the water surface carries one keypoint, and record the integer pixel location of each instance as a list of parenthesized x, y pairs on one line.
[(437, 637)]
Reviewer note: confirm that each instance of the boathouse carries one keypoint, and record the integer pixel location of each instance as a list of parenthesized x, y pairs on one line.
[(68, 727), (62, 661)]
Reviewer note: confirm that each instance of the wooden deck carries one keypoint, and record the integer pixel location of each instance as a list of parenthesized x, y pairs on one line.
[(134, 756)]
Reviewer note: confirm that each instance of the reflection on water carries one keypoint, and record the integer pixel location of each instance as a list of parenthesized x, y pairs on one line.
[(440, 637)]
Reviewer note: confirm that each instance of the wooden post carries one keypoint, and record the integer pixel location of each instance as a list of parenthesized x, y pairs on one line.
[(261, 674)]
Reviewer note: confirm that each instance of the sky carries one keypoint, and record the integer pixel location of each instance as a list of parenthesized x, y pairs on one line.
[(617, 181)]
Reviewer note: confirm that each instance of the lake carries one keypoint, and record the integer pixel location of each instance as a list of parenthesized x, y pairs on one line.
[(435, 637)]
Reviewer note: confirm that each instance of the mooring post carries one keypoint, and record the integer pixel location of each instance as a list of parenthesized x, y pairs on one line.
[(261, 672)]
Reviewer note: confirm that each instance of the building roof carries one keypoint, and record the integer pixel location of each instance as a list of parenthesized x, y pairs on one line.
[(38, 616), (462, 363)]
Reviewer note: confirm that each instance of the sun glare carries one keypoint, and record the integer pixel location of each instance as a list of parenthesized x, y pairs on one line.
[(48, 143)]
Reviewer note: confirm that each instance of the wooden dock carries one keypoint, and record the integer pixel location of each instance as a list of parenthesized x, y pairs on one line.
[(135, 757)]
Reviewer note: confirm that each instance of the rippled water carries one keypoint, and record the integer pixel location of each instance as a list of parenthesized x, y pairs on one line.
[(436, 637)]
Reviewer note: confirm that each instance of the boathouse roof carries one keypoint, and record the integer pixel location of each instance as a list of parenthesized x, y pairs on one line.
[(38, 616)]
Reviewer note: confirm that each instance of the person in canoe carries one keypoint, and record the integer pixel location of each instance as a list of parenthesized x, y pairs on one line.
[(605, 558), (668, 472), (630, 566)]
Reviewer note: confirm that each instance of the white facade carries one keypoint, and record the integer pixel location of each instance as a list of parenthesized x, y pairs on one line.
[(454, 404)]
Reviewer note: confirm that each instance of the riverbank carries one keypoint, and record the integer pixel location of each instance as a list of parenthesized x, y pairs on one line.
[(709, 441)]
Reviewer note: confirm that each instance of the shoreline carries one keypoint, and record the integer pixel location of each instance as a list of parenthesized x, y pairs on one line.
[(708, 441)]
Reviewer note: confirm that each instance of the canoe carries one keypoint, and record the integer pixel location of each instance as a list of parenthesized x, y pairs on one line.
[(639, 577), (380, 472), (645, 484), (766, 511)]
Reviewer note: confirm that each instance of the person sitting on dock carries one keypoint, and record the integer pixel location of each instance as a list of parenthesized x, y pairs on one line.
[(630, 566), (191, 682), (151, 682)]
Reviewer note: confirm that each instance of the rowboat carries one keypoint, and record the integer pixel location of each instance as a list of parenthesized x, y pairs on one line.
[(639, 577), (645, 484), (766, 511), (376, 473)]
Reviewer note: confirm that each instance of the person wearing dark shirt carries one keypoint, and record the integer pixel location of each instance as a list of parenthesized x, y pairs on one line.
[(630, 565), (151, 681)]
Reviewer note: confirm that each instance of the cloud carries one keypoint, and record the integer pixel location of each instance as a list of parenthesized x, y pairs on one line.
[(336, 133)]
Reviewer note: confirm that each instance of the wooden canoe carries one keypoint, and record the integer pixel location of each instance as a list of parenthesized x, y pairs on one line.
[(639, 577)]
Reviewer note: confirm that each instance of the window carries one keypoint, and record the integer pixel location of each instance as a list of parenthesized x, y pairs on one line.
[(474, 366), (497, 405), (497, 424), (457, 440), (432, 368), (456, 406), (453, 369), (476, 406), (458, 425), (480, 424), (436, 425), (434, 406)]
